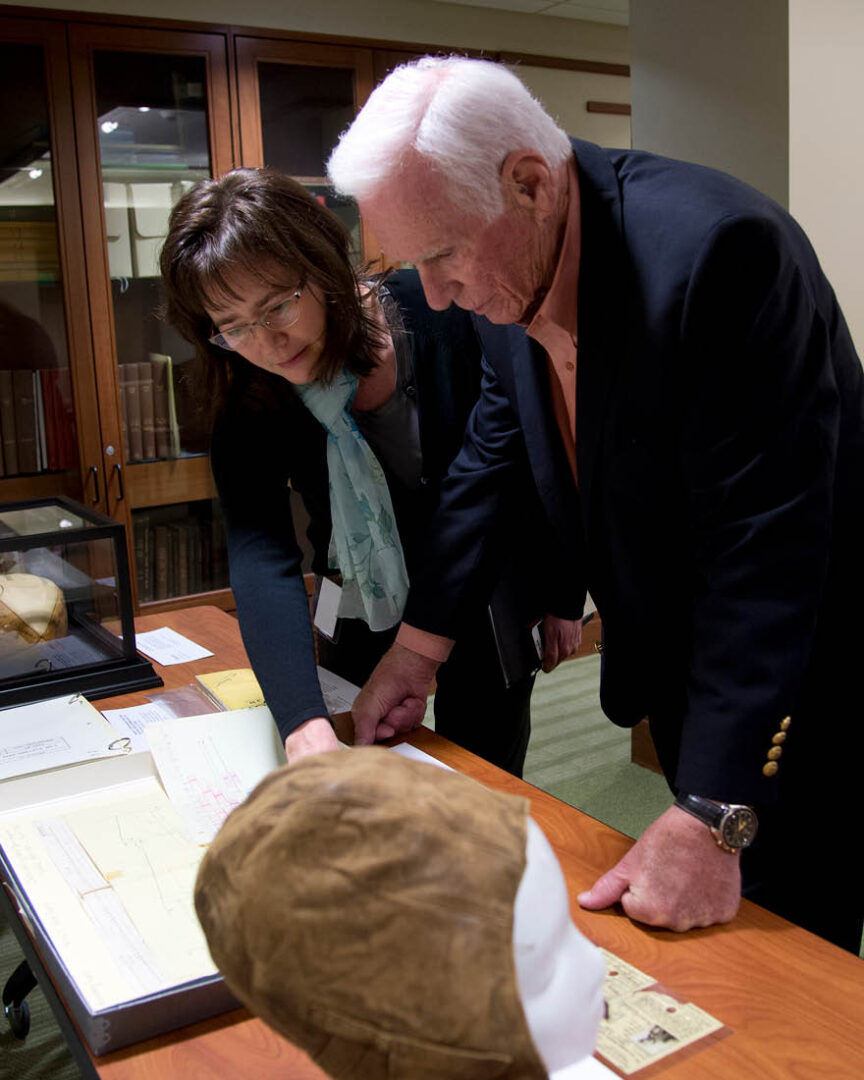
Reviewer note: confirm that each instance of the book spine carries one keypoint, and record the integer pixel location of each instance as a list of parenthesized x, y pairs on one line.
[(25, 420), (160, 562), (195, 557), (123, 379), (41, 438), (149, 558), (173, 423), (140, 523), (53, 434), (182, 578), (133, 401), (145, 396), (7, 420), (65, 406), (205, 535), (159, 372), (171, 584)]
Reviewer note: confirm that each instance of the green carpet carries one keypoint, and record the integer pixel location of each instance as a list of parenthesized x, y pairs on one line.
[(578, 755), (43, 1055)]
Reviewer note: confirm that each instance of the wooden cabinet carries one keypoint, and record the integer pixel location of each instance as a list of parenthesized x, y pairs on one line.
[(118, 122), (46, 368)]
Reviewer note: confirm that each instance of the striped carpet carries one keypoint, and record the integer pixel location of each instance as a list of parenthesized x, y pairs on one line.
[(578, 755)]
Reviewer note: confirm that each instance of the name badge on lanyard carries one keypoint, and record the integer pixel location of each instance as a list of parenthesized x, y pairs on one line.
[(327, 609)]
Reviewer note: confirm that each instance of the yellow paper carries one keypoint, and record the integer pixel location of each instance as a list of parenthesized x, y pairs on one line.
[(643, 1023), (234, 689)]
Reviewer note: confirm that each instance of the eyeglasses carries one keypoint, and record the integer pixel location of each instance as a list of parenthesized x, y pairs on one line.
[(279, 317)]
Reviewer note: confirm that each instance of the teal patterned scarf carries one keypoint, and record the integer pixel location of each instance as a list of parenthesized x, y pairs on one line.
[(365, 542)]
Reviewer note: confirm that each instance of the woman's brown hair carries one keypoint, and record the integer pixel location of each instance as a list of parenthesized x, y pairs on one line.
[(248, 221)]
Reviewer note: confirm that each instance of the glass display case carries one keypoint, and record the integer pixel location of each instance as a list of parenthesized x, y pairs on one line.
[(66, 623)]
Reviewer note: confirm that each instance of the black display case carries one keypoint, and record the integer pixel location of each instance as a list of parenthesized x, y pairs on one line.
[(66, 620)]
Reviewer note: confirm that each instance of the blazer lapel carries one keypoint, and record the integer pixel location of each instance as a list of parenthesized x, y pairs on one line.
[(604, 309), (522, 366)]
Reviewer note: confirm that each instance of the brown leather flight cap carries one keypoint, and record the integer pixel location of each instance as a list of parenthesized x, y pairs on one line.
[(362, 905)]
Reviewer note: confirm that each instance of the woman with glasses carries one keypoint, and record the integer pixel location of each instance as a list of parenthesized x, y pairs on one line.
[(356, 398)]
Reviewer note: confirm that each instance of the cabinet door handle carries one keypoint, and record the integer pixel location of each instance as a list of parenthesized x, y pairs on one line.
[(118, 472), (95, 473)]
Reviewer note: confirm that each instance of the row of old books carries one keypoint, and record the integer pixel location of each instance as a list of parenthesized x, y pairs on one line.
[(150, 425), (37, 421), (178, 554)]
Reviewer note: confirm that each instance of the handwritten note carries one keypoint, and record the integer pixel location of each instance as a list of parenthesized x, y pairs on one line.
[(209, 764), (111, 878)]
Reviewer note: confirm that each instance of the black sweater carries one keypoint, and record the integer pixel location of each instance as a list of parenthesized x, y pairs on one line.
[(263, 442)]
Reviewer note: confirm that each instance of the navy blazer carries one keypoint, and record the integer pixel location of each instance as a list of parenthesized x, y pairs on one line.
[(718, 522)]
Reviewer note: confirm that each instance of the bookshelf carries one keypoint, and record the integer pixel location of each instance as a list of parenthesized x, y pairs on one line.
[(136, 114)]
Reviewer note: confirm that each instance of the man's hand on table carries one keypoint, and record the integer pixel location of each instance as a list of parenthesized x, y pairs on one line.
[(394, 698), (674, 876), (312, 737), (561, 639)]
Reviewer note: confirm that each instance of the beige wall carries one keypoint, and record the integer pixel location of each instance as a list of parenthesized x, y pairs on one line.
[(826, 141), (565, 93), (392, 20), (709, 84)]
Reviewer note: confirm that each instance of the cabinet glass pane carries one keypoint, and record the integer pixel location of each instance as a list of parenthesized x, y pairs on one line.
[(179, 550), (37, 422), (153, 146), (304, 110)]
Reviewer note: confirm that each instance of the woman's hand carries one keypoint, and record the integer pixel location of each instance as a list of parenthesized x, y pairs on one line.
[(312, 737)]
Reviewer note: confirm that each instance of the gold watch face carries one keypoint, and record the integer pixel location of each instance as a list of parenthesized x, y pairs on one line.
[(738, 827)]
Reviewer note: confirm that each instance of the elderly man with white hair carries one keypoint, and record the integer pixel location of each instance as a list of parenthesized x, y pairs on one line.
[(666, 357)]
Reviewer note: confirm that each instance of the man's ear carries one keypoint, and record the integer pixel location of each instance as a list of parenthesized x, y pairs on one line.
[(528, 182)]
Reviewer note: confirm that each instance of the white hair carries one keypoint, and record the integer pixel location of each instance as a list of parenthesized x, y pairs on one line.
[(461, 116)]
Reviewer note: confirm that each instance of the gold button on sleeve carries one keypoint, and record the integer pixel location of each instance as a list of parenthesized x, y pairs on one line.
[(784, 724), (770, 768), (780, 737), (775, 752)]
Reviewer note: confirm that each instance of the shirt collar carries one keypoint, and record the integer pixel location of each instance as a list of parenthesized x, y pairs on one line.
[(559, 307)]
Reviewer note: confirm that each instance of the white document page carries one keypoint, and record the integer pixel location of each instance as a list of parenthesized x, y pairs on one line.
[(166, 647), (586, 1069), (338, 693), (209, 764), (130, 723), (111, 877), (407, 750), (49, 734)]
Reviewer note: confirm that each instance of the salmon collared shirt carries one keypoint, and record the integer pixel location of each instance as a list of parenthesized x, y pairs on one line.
[(554, 327)]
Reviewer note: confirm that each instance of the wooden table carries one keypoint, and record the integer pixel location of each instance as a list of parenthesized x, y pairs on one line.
[(794, 1003)]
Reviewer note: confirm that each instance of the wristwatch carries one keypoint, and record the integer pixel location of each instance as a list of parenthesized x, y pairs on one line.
[(733, 826)]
